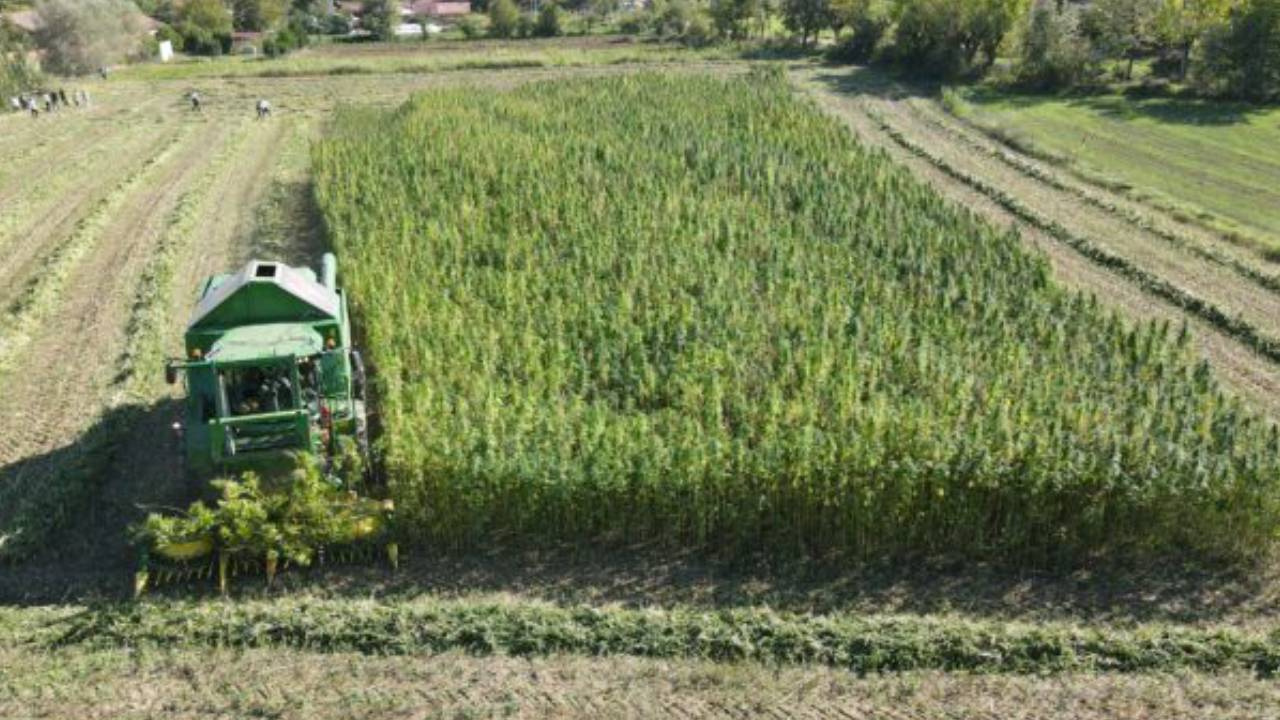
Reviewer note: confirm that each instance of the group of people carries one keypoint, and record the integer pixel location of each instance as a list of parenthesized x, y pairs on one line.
[(197, 104), (48, 101)]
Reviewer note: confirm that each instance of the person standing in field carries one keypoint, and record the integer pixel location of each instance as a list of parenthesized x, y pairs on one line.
[(264, 109), (62, 97), (195, 101)]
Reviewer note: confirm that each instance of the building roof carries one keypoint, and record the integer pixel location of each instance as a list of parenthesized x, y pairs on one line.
[(439, 8), (264, 292)]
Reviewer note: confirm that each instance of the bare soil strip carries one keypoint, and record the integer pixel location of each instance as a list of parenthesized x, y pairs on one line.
[(1251, 377)]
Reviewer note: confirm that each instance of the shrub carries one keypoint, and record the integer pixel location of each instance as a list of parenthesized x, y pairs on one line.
[(632, 23), (1053, 53), (80, 36), (504, 17), (470, 28), (548, 23)]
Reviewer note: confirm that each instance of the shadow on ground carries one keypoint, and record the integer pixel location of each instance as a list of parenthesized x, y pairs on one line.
[(93, 489), (1166, 110)]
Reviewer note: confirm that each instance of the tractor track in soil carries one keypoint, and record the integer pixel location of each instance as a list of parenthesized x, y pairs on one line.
[(206, 235), (146, 469), (1253, 378), (39, 272), (49, 145), (39, 230), (60, 382)]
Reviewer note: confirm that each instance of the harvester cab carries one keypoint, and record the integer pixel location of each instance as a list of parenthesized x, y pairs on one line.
[(270, 371)]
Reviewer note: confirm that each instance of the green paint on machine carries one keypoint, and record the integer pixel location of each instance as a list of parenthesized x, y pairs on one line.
[(270, 370)]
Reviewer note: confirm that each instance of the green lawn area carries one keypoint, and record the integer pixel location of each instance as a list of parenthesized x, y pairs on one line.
[(1218, 161)]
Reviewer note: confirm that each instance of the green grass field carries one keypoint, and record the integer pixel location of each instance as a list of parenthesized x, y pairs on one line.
[(417, 56), (1215, 162)]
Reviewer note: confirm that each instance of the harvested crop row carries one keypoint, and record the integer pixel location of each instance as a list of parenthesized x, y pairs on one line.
[(1251, 377), (52, 461), (1213, 284), (1246, 264), (45, 214), (39, 294), (1234, 326), (694, 310), (862, 643)]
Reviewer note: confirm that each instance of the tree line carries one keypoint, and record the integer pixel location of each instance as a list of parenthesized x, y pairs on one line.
[(1222, 47)]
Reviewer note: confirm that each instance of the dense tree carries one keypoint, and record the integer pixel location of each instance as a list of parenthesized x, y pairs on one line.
[(548, 23), (1242, 56), (806, 17), (380, 18), (79, 36), (259, 15), (868, 20), (1126, 29), (1181, 24), (16, 74), (205, 26), (946, 38), (1053, 52), (504, 16), (730, 17)]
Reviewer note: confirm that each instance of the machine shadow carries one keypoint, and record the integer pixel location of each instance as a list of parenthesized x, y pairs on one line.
[(660, 576), (93, 489)]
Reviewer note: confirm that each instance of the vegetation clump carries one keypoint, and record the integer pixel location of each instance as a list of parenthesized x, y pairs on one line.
[(289, 520), (695, 310)]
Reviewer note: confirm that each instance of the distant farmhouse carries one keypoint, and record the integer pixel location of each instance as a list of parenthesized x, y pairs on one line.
[(443, 9)]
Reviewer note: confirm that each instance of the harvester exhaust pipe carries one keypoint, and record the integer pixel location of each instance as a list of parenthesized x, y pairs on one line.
[(329, 271)]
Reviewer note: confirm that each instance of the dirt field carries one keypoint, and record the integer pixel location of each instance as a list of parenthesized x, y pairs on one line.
[(111, 216)]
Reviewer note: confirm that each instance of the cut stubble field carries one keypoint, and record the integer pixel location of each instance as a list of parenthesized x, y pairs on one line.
[(101, 258)]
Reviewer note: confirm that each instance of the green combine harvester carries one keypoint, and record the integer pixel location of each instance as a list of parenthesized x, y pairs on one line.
[(274, 388)]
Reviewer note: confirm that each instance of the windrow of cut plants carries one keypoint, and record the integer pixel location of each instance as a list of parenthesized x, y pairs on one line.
[(694, 310)]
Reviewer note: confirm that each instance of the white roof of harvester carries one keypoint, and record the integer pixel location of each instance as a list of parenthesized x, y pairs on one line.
[(301, 284)]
